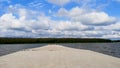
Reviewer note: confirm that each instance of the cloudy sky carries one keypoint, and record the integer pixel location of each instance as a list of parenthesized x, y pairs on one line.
[(60, 18)]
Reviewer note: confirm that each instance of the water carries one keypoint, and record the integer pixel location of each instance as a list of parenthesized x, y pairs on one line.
[(112, 49), (10, 48)]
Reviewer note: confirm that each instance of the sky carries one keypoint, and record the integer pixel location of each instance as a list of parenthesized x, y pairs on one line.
[(60, 18)]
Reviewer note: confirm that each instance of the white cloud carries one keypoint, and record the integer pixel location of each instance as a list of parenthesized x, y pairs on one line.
[(59, 2), (115, 36), (88, 16), (10, 22), (95, 18), (113, 27), (70, 26), (41, 26), (28, 23)]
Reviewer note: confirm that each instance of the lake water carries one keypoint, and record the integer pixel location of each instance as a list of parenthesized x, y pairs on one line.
[(112, 49)]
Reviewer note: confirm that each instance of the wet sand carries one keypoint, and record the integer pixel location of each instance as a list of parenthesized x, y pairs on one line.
[(57, 56)]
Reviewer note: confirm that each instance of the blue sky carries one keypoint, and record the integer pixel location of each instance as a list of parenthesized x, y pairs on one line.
[(60, 18)]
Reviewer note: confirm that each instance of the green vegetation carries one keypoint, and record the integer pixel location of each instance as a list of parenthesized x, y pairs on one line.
[(51, 40)]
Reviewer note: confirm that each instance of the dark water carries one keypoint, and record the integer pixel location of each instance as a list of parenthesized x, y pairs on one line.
[(112, 49), (10, 48)]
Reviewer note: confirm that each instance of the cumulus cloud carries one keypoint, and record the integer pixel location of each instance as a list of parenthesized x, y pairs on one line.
[(18, 27), (95, 18), (112, 36), (114, 27), (82, 23), (86, 17), (71, 26), (44, 26), (40, 26)]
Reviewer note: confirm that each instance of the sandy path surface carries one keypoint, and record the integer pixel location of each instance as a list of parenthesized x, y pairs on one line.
[(56, 56)]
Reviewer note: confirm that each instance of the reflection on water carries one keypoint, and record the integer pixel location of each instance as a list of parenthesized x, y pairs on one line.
[(112, 49)]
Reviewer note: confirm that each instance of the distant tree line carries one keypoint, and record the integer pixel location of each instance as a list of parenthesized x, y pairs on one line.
[(52, 40)]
